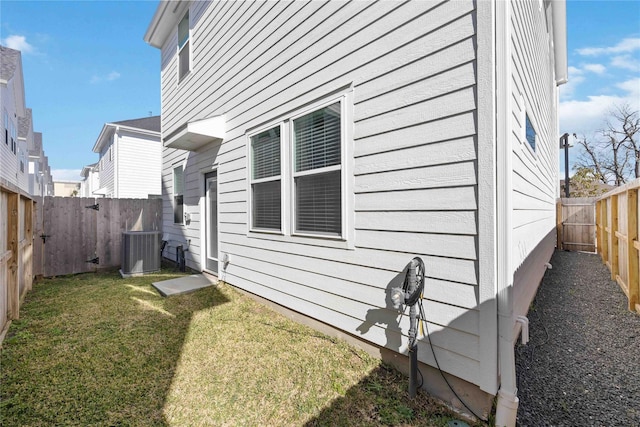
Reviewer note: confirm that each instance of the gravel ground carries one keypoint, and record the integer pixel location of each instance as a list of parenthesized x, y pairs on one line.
[(582, 364)]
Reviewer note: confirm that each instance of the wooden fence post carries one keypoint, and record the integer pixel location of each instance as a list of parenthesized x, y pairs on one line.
[(598, 229), (604, 217), (614, 238), (632, 247), (13, 223)]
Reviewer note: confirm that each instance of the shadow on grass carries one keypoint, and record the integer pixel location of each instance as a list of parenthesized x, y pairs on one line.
[(96, 349), (381, 398)]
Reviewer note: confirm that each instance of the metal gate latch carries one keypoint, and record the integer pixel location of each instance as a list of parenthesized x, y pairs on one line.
[(44, 237), (95, 207), (95, 260)]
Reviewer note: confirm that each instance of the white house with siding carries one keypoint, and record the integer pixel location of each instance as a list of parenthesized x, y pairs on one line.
[(312, 149), (14, 119), (20, 154), (90, 180), (130, 162)]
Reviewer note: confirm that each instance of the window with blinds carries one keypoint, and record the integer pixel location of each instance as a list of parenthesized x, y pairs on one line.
[(296, 172), (266, 188), (178, 191), (317, 142), (184, 64)]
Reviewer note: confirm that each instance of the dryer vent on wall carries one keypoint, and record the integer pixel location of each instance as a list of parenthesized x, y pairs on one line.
[(140, 252)]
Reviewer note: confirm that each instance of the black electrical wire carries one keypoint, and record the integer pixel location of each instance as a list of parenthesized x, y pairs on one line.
[(424, 319)]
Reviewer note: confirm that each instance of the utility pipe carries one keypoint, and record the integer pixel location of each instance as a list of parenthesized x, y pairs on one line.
[(507, 404)]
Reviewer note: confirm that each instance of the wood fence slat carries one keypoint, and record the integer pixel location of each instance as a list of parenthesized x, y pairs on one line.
[(13, 224), (632, 238), (614, 238), (95, 233), (618, 221)]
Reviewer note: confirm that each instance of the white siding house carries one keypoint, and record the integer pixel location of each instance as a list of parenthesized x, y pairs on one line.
[(312, 149), (90, 180), (12, 110), (130, 162), (22, 159)]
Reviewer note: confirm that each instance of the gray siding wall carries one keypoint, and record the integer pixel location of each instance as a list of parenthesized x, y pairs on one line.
[(534, 93), (412, 70), (535, 172)]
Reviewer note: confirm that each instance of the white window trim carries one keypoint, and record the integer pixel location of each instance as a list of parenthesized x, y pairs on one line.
[(288, 233)]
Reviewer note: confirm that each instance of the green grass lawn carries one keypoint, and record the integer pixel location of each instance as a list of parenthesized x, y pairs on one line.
[(96, 349)]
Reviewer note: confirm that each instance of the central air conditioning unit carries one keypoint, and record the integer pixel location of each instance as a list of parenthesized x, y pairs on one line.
[(140, 253)]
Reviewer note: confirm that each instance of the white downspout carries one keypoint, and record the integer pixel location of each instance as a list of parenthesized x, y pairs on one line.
[(507, 404)]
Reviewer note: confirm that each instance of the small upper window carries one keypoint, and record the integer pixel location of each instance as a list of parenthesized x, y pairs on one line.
[(184, 61), (530, 133), (14, 145)]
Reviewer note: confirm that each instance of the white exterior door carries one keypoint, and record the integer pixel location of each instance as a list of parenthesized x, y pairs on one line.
[(211, 221)]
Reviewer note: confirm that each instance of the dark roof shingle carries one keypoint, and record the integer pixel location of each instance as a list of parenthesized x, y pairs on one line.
[(9, 59), (147, 123)]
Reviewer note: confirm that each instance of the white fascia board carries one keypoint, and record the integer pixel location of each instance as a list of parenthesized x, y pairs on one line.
[(164, 21), (197, 134), (99, 142)]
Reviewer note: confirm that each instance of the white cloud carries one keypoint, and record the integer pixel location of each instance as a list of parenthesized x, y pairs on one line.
[(575, 79), (18, 43), (627, 62), (595, 68), (587, 117), (632, 87), (625, 46), (66, 174), (114, 75)]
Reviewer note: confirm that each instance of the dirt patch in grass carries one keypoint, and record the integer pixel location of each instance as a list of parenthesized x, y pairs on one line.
[(96, 349)]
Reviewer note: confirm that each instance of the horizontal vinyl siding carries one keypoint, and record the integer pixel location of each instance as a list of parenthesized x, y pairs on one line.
[(411, 68), (535, 176), (139, 166), (8, 160)]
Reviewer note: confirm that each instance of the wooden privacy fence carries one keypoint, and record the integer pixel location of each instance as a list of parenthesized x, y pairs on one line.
[(16, 251), (618, 245), (576, 224), (85, 234)]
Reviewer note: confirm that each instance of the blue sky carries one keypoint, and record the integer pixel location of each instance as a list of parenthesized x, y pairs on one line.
[(85, 64)]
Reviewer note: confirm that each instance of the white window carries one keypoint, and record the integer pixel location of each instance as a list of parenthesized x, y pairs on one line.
[(297, 174), (178, 190), (14, 144), (317, 146), (184, 48), (266, 186)]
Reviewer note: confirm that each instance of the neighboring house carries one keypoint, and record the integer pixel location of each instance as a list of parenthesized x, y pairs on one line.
[(130, 164), (22, 159), (90, 180), (312, 149), (12, 108), (40, 180)]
